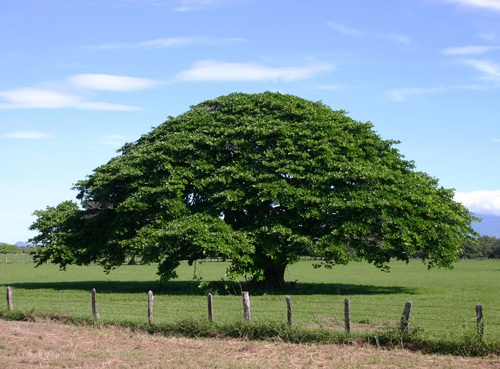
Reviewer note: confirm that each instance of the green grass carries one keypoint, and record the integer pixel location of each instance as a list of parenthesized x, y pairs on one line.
[(443, 313), (15, 258)]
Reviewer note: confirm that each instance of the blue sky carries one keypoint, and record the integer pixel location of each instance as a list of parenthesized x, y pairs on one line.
[(78, 79)]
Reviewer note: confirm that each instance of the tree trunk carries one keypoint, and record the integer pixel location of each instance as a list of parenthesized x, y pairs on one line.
[(132, 261), (274, 276)]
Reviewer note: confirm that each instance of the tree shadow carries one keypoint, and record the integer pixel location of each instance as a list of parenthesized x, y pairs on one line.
[(346, 289), (216, 287), (180, 287)]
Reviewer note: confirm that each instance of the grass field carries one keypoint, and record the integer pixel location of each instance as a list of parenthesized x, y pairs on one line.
[(443, 300)]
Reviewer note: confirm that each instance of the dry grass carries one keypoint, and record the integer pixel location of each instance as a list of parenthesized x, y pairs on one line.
[(49, 344)]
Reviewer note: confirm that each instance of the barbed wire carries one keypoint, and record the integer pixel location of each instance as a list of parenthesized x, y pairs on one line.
[(307, 311)]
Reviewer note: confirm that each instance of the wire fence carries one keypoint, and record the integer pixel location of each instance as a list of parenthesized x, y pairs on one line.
[(16, 259), (433, 315), (441, 321)]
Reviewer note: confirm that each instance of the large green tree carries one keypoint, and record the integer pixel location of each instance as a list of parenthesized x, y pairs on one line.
[(258, 179)]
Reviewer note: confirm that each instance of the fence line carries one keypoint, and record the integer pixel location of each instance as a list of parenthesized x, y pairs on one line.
[(95, 313), (10, 303), (358, 312), (150, 306), (247, 311)]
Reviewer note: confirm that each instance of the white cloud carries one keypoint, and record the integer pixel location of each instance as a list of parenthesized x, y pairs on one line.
[(37, 98), (69, 93), (490, 70), (470, 50), (482, 202), (194, 5), (402, 39), (487, 4), (94, 105), (402, 94), (339, 27), (328, 87), (109, 82), (171, 42), (163, 43), (213, 70), (30, 135), (108, 46), (489, 36)]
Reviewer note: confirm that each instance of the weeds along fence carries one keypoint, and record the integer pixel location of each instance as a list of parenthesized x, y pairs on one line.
[(436, 321)]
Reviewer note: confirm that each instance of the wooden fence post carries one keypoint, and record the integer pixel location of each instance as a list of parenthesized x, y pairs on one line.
[(10, 303), (246, 306), (405, 319), (347, 315), (479, 321), (95, 313), (289, 310), (150, 306), (210, 308)]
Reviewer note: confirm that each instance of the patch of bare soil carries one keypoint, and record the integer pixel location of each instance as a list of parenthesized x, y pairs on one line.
[(49, 344)]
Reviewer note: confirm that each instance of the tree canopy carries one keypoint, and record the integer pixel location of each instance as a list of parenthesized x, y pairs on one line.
[(257, 179)]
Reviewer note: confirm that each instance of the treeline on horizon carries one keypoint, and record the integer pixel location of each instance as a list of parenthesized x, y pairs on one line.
[(486, 247), (6, 248)]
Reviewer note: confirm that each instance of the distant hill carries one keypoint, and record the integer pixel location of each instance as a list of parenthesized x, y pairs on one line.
[(18, 244), (490, 225)]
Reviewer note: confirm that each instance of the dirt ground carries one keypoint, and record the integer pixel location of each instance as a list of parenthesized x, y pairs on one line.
[(49, 344)]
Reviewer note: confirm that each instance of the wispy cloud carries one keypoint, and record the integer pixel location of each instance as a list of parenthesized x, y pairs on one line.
[(27, 135), (341, 28), (402, 94), (167, 42), (402, 39), (36, 98), (483, 202), (70, 93), (487, 4), (195, 5), (164, 43), (109, 82), (470, 50), (328, 87), (489, 36), (490, 70), (213, 70)]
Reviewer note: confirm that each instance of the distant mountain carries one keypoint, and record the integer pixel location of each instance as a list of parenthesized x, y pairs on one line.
[(489, 226)]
